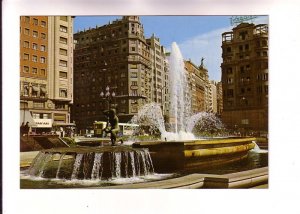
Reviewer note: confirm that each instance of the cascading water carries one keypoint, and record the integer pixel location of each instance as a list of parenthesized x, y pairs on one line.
[(180, 98), (91, 164), (180, 106)]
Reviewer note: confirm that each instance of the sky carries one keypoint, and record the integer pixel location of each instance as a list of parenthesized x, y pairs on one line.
[(196, 36)]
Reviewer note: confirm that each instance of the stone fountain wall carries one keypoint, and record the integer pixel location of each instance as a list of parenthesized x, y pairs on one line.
[(199, 154)]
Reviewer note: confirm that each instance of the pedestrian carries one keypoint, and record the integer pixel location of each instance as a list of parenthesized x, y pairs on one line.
[(26, 128), (22, 129)]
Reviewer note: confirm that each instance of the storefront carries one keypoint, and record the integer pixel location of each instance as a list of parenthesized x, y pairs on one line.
[(43, 126)]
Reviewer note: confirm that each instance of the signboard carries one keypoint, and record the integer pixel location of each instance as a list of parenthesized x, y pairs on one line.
[(43, 123), (235, 20)]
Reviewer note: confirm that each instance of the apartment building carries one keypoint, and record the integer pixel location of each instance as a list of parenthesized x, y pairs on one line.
[(199, 86), (45, 96), (219, 99), (214, 99), (114, 56), (245, 77), (159, 73)]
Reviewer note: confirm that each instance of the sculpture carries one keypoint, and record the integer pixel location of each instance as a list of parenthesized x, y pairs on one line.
[(112, 126)]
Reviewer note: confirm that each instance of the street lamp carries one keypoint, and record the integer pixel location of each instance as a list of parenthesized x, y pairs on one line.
[(107, 95)]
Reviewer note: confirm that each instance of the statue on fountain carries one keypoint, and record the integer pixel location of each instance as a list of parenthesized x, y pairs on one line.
[(112, 125)]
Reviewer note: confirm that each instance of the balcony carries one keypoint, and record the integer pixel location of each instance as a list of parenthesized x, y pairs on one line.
[(24, 96), (227, 37)]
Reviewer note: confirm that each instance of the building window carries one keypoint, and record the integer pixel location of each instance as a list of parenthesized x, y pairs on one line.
[(243, 35), (229, 80), (34, 46), (63, 74), (63, 92), (63, 18), (134, 83), (26, 44), (134, 92), (43, 48), (43, 23), (63, 29), (63, 63), (133, 75), (59, 106), (34, 58), (229, 70), (265, 76), (27, 19), (63, 40), (26, 56), (35, 21), (63, 52), (34, 70), (230, 93), (133, 66), (26, 31), (43, 36), (43, 72), (43, 60), (35, 34), (26, 69)]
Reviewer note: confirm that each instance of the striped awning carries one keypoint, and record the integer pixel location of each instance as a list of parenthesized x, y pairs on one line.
[(43, 90), (35, 88), (25, 116)]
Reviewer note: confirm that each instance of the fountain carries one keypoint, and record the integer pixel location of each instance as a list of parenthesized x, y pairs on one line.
[(180, 106), (86, 163), (177, 151)]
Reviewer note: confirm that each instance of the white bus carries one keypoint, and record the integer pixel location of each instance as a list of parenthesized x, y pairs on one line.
[(126, 129)]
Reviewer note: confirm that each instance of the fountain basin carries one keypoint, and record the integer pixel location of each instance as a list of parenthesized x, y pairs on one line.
[(168, 156), (86, 163)]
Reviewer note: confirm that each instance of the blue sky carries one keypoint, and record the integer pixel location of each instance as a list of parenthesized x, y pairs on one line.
[(196, 36)]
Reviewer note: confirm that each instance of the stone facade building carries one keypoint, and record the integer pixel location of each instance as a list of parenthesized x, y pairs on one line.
[(219, 99), (114, 55), (160, 72), (46, 66), (245, 77)]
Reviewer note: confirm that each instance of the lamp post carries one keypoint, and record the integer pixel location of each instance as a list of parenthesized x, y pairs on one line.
[(107, 95)]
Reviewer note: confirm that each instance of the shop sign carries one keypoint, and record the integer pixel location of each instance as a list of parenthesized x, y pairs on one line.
[(43, 123)]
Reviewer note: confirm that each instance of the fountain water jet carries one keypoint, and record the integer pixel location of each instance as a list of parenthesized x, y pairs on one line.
[(180, 106)]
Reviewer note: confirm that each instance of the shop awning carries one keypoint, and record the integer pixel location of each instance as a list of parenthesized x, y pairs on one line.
[(35, 88), (43, 90), (25, 116), (63, 124)]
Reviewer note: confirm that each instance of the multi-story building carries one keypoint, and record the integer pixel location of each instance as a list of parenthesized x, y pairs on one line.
[(159, 73), (114, 55), (46, 93), (219, 99), (245, 77), (214, 99), (199, 86)]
